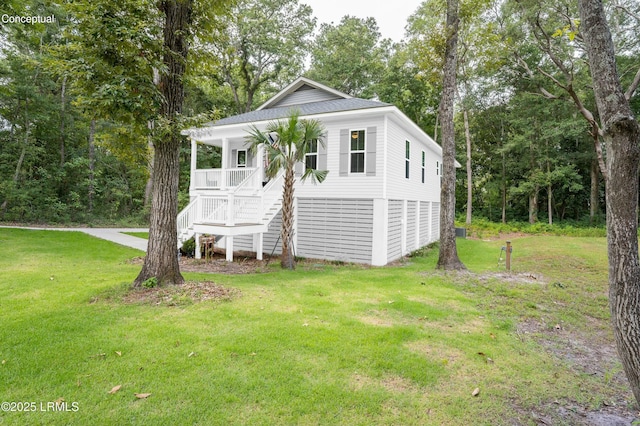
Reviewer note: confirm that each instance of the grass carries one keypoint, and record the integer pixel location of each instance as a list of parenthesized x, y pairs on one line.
[(144, 235), (324, 344)]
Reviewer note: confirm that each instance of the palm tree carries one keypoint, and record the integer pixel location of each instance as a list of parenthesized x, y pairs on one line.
[(286, 143)]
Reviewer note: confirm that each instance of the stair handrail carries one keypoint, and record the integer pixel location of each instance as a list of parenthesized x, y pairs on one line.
[(187, 216), (272, 192), (250, 183)]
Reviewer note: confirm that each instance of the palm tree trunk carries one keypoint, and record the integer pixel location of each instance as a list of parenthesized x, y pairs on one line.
[(287, 259)]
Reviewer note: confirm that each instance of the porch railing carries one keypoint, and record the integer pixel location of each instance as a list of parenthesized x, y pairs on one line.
[(233, 208), (222, 178)]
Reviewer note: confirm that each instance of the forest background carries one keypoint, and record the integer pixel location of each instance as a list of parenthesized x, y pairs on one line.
[(527, 127)]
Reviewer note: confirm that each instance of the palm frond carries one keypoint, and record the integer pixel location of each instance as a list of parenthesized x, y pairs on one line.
[(316, 176)]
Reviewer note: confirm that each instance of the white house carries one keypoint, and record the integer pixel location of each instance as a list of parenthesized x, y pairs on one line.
[(380, 200)]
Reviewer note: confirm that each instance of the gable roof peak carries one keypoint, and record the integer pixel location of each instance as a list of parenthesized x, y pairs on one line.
[(302, 84)]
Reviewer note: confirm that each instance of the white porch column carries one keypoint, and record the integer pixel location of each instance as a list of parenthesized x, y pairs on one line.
[(260, 156), (229, 248), (258, 242), (194, 164), (225, 162), (198, 252)]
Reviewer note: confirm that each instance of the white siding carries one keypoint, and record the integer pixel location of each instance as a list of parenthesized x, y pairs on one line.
[(245, 242), (394, 242), (234, 146), (397, 184), (306, 95), (271, 239), (335, 229), (435, 221), (353, 185), (425, 223), (412, 207)]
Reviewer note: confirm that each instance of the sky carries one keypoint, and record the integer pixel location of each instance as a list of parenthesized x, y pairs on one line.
[(391, 15)]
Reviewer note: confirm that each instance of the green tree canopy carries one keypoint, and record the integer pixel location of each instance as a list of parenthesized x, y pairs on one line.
[(349, 56), (261, 46)]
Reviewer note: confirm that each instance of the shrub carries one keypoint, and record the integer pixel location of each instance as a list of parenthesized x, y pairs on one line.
[(189, 248), (150, 282)]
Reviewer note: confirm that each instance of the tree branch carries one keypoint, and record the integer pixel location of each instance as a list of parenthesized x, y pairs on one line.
[(545, 45), (632, 88), (628, 12)]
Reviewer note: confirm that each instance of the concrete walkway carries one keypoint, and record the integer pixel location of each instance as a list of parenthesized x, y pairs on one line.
[(114, 235)]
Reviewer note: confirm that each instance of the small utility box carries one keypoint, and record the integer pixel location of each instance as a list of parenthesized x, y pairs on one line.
[(461, 232)]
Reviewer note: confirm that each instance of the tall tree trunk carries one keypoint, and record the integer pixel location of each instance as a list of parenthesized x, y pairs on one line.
[(533, 198), (549, 189), (23, 153), (62, 119), (595, 192), (448, 255), (467, 135), (435, 128), (622, 139), (504, 175), (161, 261), (287, 259), (533, 206), (504, 194), (550, 204), (92, 164), (597, 146), (148, 189)]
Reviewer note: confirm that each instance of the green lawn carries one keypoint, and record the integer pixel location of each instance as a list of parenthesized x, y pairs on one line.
[(325, 344), (144, 235)]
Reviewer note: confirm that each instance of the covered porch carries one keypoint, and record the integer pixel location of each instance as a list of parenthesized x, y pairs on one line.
[(230, 195), (240, 169)]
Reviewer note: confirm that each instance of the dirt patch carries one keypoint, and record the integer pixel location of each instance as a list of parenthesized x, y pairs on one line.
[(511, 277), (589, 350), (390, 383), (218, 264), (571, 413), (593, 354), (185, 294), (377, 320), (397, 384), (246, 263)]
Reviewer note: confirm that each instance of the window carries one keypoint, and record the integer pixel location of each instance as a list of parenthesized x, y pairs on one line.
[(241, 159), (423, 166), (356, 154), (311, 157), (437, 168), (407, 155)]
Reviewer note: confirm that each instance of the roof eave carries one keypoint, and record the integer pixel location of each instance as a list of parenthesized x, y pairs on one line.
[(209, 130)]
